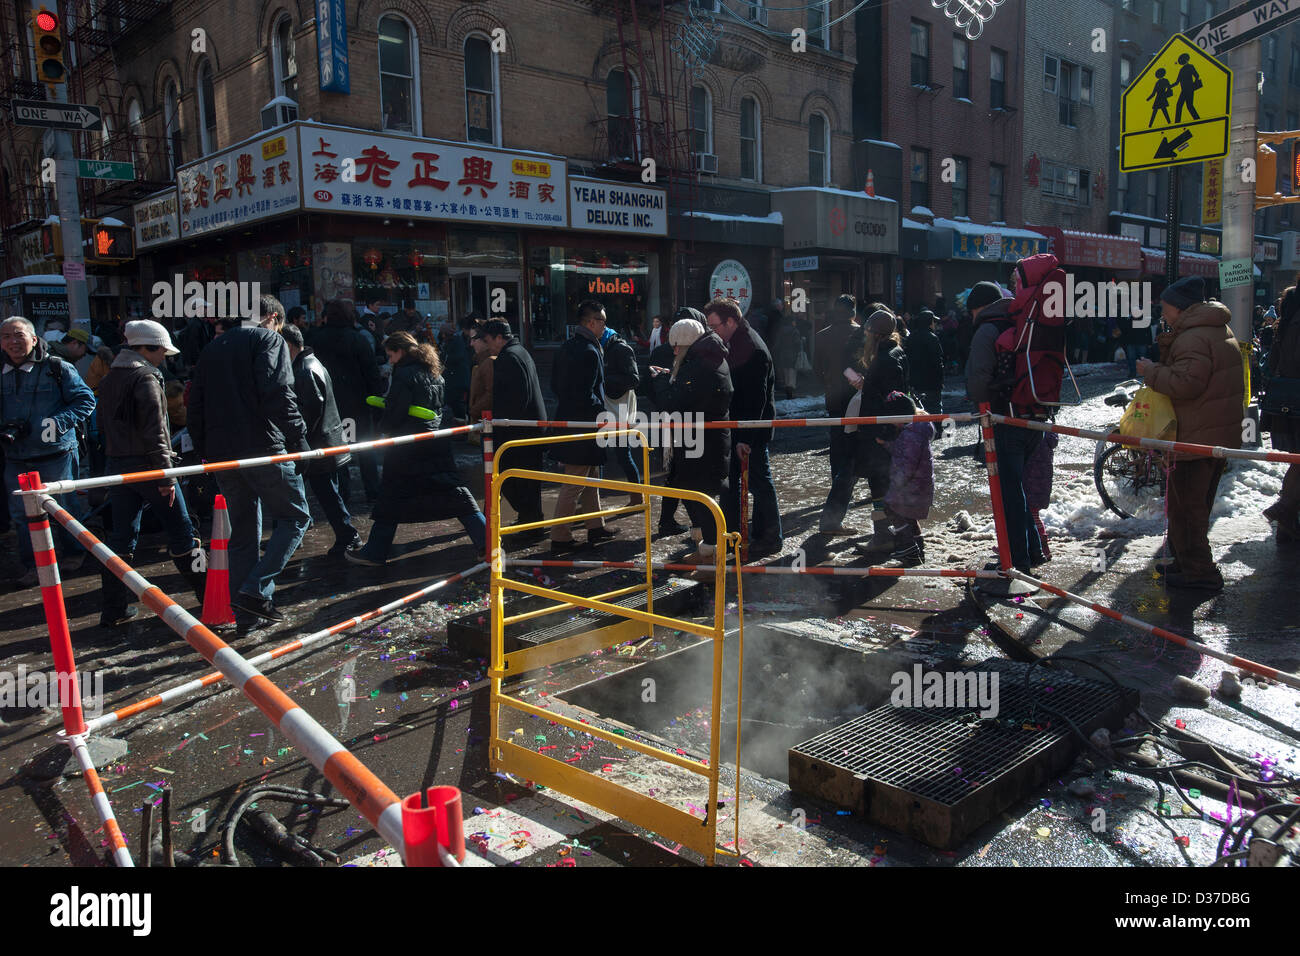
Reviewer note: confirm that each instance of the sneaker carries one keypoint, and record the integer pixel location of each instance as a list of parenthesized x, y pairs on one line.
[(765, 546), (343, 547), (1178, 579), (910, 556), (113, 619), (254, 605), (597, 535), (877, 544), (839, 531), (358, 557), (564, 547), (671, 530), (698, 557)]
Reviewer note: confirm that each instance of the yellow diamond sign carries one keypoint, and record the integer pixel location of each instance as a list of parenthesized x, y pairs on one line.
[(1177, 110)]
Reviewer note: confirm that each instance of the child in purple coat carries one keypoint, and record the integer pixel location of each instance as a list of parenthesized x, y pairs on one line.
[(1038, 483), (911, 481)]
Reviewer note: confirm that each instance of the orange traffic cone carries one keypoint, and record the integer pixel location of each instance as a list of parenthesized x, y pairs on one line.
[(216, 596), (871, 183)]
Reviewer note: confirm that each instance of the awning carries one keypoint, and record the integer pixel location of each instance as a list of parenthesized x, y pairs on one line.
[(1094, 249), (951, 239), (1189, 263)]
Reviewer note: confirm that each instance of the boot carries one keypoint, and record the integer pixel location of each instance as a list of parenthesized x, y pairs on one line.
[(116, 598), (1286, 518), (882, 540), (909, 554), (197, 580)]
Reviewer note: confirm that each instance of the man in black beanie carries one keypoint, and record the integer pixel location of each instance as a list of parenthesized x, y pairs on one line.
[(1200, 370)]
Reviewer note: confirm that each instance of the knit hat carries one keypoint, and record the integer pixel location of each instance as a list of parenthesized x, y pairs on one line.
[(1186, 292), (685, 332), (148, 332), (982, 294)]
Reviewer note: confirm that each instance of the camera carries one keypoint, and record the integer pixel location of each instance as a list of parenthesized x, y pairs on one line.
[(15, 431)]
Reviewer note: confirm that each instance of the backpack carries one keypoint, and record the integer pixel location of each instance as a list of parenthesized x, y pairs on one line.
[(1029, 355)]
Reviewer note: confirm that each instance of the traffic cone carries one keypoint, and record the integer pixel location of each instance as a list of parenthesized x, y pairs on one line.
[(216, 595), (871, 183), (433, 828)]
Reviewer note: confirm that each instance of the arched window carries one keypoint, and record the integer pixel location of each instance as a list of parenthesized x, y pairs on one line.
[(701, 120), (105, 135), (26, 191), (135, 127), (819, 150), (284, 60), (172, 125), (622, 107), (398, 88), (751, 140), (482, 119), (207, 109)]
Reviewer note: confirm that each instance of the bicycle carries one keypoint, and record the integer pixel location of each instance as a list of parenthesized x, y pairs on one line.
[(1126, 477)]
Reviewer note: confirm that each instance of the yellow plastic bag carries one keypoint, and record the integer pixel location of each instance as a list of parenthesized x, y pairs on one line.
[(1149, 415)]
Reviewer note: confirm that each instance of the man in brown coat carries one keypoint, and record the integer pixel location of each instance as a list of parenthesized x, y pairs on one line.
[(480, 381), (1200, 370)]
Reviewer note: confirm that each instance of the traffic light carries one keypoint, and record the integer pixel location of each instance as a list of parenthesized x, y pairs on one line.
[(1266, 193), (111, 244), (48, 43)]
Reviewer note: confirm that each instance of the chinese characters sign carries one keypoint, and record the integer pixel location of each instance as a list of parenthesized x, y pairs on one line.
[(1212, 192), (424, 179), (1013, 248), (730, 280), (332, 46), (156, 221), (255, 180)]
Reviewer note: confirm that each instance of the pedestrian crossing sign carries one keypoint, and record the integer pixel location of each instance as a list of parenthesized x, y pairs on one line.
[(1176, 111)]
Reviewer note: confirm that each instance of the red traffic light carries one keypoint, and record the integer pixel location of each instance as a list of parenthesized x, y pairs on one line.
[(47, 21)]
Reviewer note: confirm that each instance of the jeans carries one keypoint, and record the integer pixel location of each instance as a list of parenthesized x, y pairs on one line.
[(325, 486), (248, 491), (368, 464), (383, 532), (1193, 486), (128, 501), (765, 524), (843, 479), (1014, 446), (58, 468), (1131, 353)]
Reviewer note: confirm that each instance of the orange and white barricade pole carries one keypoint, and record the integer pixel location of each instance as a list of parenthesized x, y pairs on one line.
[(433, 828), (216, 594), (995, 488), (487, 480), (744, 508)]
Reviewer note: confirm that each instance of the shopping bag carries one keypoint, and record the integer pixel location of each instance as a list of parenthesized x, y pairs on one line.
[(802, 363), (1149, 415)]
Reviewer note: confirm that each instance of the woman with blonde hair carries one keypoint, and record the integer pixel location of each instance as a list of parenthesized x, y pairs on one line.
[(880, 368), (420, 481)]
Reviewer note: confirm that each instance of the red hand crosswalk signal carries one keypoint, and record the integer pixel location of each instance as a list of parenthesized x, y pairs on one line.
[(48, 43), (113, 243)]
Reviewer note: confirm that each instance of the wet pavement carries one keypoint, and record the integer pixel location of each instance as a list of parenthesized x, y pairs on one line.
[(819, 651)]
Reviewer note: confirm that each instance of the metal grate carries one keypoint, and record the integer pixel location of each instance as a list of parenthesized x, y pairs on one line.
[(938, 773)]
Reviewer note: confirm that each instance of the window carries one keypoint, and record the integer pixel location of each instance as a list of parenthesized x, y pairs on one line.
[(961, 187), (819, 149), (1085, 186), (997, 174), (920, 177), (1209, 9), (1061, 181), (1051, 69), (920, 53), (1158, 12), (621, 110), (997, 79), (1068, 78), (207, 109), (1153, 193), (1270, 56), (1121, 188), (701, 121), (1184, 14), (817, 32), (1126, 5), (285, 60), (481, 116), (1295, 65), (1125, 70), (172, 123), (397, 86), (1085, 87), (960, 67), (105, 135), (750, 141), (135, 124)]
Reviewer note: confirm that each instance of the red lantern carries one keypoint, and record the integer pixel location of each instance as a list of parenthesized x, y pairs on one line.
[(604, 262), (417, 258), (287, 260), (304, 259), (372, 258)]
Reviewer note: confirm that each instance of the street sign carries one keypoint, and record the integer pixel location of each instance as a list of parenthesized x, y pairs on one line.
[(57, 115), (96, 169), (1243, 23), (1177, 110), (74, 270), (1236, 272)]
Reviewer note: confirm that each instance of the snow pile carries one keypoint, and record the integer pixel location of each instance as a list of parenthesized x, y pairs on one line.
[(805, 406)]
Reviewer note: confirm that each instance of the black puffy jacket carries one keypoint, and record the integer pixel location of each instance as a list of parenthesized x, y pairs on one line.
[(752, 381), (347, 354), (704, 386), (925, 360), (621, 373), (577, 379), (315, 393)]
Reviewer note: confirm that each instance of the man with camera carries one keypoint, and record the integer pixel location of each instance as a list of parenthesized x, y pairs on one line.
[(42, 402)]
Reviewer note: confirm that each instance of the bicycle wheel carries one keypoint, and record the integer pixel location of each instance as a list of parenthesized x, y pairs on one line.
[(1128, 478)]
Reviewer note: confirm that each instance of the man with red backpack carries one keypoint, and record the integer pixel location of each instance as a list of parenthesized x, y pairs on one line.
[(1017, 357)]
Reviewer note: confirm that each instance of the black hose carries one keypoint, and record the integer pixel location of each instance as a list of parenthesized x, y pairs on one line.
[(266, 792)]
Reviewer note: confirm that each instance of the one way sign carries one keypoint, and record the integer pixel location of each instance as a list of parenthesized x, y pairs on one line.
[(1243, 23), (73, 116)]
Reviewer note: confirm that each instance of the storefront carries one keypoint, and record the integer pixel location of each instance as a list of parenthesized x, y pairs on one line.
[(732, 241), (837, 242), (959, 254), (1094, 256)]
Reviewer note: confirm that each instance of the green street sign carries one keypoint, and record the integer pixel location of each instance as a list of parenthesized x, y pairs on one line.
[(96, 169)]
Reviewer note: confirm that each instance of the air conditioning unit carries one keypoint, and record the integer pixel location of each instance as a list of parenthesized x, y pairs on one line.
[(279, 111), (706, 163), (758, 14)]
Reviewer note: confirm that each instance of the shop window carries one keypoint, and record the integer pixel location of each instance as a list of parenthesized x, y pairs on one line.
[(819, 149), (207, 109), (997, 79), (626, 283), (396, 271), (285, 270), (481, 115), (285, 60), (960, 67), (750, 141), (397, 79), (921, 177)]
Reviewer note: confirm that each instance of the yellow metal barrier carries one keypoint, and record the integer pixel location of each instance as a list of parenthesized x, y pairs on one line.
[(506, 756)]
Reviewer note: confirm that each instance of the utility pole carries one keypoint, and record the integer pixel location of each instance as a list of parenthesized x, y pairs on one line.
[(1238, 194), (65, 187)]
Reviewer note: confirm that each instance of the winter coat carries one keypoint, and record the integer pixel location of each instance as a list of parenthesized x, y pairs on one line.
[(193, 339), (458, 361), (1284, 362), (1039, 470), (51, 389), (832, 345), (911, 472), (347, 356), (99, 367), (786, 351), (703, 386), (420, 481), (621, 373), (578, 380), (981, 365), (132, 412), (925, 361), (517, 393), (241, 402), (480, 389), (1201, 372), (315, 394), (753, 381)]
